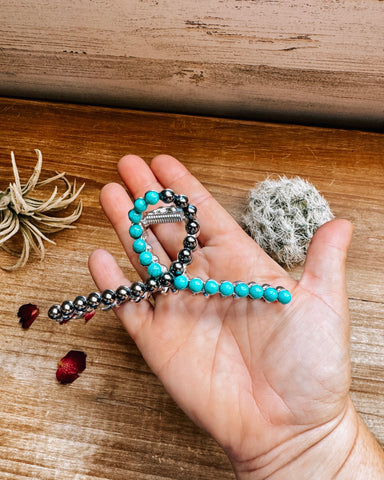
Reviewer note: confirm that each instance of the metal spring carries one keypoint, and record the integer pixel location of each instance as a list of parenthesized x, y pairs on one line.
[(163, 215)]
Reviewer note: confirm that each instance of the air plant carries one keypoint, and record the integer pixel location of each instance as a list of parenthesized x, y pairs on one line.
[(283, 215), (33, 218)]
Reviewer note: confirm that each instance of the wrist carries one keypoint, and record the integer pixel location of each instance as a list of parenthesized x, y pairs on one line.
[(339, 449), (366, 458)]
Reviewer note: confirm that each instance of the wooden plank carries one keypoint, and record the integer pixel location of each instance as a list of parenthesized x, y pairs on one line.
[(116, 422), (295, 61)]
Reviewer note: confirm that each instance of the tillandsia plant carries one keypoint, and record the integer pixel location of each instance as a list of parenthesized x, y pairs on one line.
[(33, 218), (283, 215)]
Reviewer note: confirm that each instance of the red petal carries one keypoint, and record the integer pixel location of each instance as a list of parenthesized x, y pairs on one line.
[(28, 314), (70, 365), (65, 377), (78, 358), (89, 315)]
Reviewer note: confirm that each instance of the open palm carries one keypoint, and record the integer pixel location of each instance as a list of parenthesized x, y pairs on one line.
[(253, 374)]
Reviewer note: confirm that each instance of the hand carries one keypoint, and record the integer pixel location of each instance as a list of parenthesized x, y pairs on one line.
[(268, 381)]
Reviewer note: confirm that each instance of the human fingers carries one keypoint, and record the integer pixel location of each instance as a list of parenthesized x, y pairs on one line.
[(116, 204), (324, 269), (139, 179), (107, 274), (214, 220), (217, 227)]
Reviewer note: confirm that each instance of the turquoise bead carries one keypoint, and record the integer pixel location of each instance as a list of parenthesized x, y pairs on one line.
[(151, 197), (256, 291), (196, 285), (180, 282), (140, 205), (154, 270), (139, 246), (270, 294), (241, 289), (226, 289), (284, 297), (145, 258), (135, 230), (134, 216), (211, 287)]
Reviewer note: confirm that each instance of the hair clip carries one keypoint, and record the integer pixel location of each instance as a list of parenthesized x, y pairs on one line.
[(160, 278)]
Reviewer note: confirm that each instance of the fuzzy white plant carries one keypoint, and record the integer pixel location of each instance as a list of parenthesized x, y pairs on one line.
[(282, 216)]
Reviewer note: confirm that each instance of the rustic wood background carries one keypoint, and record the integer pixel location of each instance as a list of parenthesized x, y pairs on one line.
[(299, 61), (116, 422)]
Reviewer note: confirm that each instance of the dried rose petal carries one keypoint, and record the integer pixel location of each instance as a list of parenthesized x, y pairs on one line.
[(28, 314), (70, 366), (88, 316)]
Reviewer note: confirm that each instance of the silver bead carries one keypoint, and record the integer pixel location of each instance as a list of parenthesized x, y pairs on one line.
[(177, 268), (167, 195), (138, 290), (108, 298), (166, 280), (67, 308), (80, 303), (185, 256), (123, 293), (152, 285), (54, 313), (190, 242), (181, 201), (94, 300)]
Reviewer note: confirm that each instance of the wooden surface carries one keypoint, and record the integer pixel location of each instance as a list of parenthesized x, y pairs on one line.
[(302, 61), (116, 422)]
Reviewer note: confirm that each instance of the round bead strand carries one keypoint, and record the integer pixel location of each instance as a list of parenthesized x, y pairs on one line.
[(160, 278)]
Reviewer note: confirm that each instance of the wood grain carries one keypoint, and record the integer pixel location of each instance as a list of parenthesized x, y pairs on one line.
[(318, 61), (116, 422)]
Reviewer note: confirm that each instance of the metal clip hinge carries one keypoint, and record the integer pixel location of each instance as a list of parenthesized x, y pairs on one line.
[(163, 215)]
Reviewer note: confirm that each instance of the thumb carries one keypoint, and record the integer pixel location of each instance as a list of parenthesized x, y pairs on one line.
[(324, 269)]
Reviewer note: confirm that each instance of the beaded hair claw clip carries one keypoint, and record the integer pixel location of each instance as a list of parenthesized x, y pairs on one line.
[(160, 279)]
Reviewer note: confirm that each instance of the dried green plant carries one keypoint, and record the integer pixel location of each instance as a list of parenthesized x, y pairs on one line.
[(34, 218)]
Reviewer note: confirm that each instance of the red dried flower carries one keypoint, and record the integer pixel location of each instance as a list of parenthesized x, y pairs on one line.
[(70, 366), (88, 316), (28, 314)]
